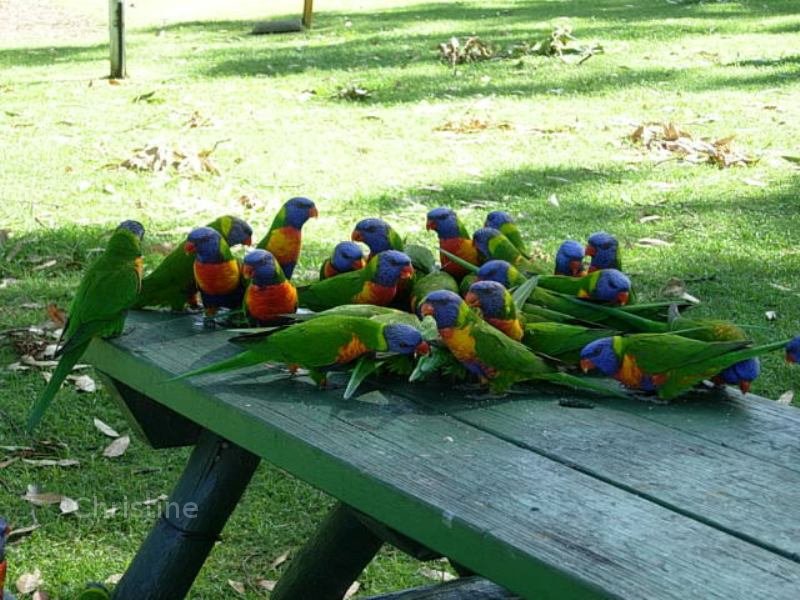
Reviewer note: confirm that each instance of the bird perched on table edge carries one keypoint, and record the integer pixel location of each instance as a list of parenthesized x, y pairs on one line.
[(269, 294), (107, 290), (216, 271), (285, 237)]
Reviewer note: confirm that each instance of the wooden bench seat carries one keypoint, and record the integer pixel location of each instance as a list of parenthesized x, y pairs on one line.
[(627, 499)]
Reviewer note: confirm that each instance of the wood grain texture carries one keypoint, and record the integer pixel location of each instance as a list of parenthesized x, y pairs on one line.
[(532, 524), (470, 588)]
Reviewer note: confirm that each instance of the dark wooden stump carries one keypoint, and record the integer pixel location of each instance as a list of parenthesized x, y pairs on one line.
[(206, 494)]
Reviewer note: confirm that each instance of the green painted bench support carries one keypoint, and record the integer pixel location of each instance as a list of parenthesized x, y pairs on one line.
[(468, 588), (206, 494), (331, 561)]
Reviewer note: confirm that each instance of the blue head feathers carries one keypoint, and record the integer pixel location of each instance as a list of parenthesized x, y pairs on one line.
[(569, 259), (444, 222), (495, 270), (443, 306), (612, 286), (793, 350), (600, 355), (204, 242), (603, 248), (374, 233), (347, 256), (742, 374), (261, 267), (393, 265), (481, 239), (489, 297), (298, 211), (404, 339), (134, 227), (239, 233), (497, 218)]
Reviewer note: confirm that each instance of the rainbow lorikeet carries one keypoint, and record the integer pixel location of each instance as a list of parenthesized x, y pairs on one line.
[(609, 286), (505, 224), (492, 244), (269, 293), (742, 374), (216, 272), (436, 280), (376, 283), (4, 531), (604, 250), (665, 363), (495, 305), (284, 238), (346, 257), (486, 352), (454, 238), (793, 350), (562, 341), (321, 344), (569, 259), (108, 289), (172, 283), (378, 235), (382, 314)]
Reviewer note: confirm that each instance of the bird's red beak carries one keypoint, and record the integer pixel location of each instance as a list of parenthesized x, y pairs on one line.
[(590, 251), (189, 248), (622, 298), (745, 386), (247, 271), (358, 264), (356, 236), (472, 299), (423, 348), (313, 212), (790, 359), (586, 365), (576, 267), (248, 241), (407, 272), (430, 225), (426, 310)]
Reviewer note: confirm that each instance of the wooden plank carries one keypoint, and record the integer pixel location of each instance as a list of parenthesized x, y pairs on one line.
[(116, 34), (308, 13), (686, 473), (468, 588), (531, 524), (198, 508)]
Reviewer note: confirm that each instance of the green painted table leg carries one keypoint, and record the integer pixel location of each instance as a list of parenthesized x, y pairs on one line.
[(331, 561), (206, 494)]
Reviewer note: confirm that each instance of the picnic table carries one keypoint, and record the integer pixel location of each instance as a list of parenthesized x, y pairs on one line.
[(533, 495)]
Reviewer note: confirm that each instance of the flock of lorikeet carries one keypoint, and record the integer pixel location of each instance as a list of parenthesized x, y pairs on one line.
[(488, 311)]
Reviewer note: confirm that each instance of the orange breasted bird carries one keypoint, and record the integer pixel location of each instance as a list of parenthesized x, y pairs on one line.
[(378, 235), (285, 238), (454, 238), (346, 257), (269, 293), (216, 271), (496, 306)]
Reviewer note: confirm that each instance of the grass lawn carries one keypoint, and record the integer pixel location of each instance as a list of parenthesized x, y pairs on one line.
[(552, 149)]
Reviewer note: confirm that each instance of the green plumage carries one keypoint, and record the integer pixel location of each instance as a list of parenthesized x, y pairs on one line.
[(278, 222), (561, 341), (512, 232), (422, 258), (571, 286), (437, 280), (502, 248), (172, 284), (108, 289), (315, 344)]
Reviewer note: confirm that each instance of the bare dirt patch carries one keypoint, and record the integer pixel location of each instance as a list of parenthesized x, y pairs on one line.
[(34, 22)]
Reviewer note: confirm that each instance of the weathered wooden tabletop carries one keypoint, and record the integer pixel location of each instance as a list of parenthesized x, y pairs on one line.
[(626, 499)]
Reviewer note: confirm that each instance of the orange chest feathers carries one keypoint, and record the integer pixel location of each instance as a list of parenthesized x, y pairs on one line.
[(217, 278), (264, 302), (372, 293)]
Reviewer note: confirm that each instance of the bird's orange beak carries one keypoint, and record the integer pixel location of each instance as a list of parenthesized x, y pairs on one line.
[(356, 236), (430, 225), (745, 386), (247, 271), (472, 299), (622, 298), (189, 248), (407, 272), (586, 365), (358, 264), (426, 310), (313, 212), (248, 241), (576, 267), (590, 250), (422, 348)]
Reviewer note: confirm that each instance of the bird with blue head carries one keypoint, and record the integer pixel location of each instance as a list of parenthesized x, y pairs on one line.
[(603, 248), (216, 271), (569, 259), (346, 257), (269, 293), (285, 238)]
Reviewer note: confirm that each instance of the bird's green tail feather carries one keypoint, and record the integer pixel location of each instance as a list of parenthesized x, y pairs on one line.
[(459, 261), (583, 383), (64, 368), (240, 361)]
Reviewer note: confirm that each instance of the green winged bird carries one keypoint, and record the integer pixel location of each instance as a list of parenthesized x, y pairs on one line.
[(108, 289)]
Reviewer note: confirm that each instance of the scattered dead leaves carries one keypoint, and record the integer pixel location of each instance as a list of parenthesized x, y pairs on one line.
[(353, 92), (473, 49), (472, 124), (105, 429), (668, 141), (28, 583), (157, 157), (118, 447), (560, 43)]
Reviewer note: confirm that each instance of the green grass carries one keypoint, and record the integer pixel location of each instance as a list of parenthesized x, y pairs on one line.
[(717, 68)]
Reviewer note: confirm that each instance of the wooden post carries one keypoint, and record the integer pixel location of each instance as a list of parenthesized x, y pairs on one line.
[(331, 561), (116, 32), (308, 12), (209, 489)]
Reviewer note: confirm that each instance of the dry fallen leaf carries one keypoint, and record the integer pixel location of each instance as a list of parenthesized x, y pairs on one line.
[(667, 141), (83, 383), (238, 586), (279, 560), (435, 574), (57, 314), (156, 500), (27, 583), (352, 590), (553, 200), (68, 506), (771, 315), (118, 447), (47, 462), (113, 579), (105, 429), (40, 595), (786, 397), (37, 498), (652, 242), (266, 584), (649, 218)]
